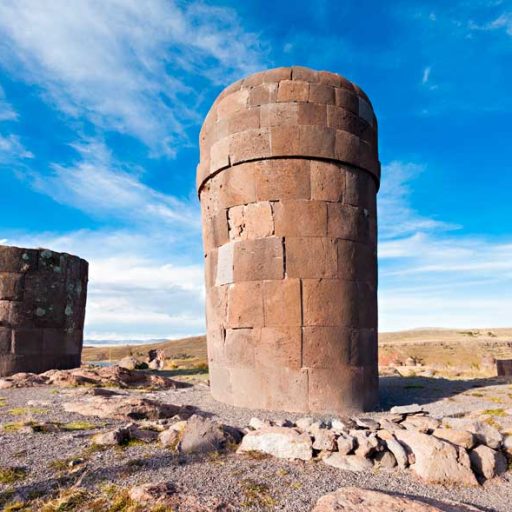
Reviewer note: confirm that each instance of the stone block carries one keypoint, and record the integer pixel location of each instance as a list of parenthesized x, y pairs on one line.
[(245, 305), (360, 189), (220, 384), (278, 348), (279, 114), (304, 74), (249, 145), (292, 90), (263, 94), (326, 347), (54, 341), (311, 257), (367, 295), (232, 103), (300, 218), (285, 141), (219, 154), (256, 260), (347, 147), (251, 221), (363, 348), (356, 261), (277, 74), (215, 336), (321, 93), (282, 303), (317, 141), (215, 231), (216, 306), (27, 341), (16, 259), (312, 114), (240, 346), (283, 179), (326, 398), (327, 181), (365, 111), (5, 340), (237, 184), (210, 268), (225, 261), (330, 302), (347, 100), (11, 286), (348, 222), (342, 119), (327, 78), (246, 120)]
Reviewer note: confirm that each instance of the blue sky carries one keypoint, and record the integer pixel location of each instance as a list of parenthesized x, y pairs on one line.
[(101, 105)]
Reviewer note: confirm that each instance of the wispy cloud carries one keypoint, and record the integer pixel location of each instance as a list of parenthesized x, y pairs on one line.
[(502, 22), (431, 275), (101, 186), (7, 113), (126, 65)]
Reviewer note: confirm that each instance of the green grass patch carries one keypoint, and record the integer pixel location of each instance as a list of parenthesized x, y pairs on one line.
[(79, 425), (256, 495), (24, 411), (12, 475), (495, 412)]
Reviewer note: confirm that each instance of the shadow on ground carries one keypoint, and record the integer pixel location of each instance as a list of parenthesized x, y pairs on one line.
[(394, 390)]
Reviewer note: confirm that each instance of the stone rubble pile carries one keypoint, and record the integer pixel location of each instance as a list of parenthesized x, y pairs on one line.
[(92, 376), (444, 451)]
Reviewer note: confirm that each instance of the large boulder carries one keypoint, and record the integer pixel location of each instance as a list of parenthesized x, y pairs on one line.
[(352, 499), (459, 437), (281, 442), (483, 432), (437, 461)]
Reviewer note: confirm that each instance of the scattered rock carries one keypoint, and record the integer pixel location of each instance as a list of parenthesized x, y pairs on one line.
[(324, 439), (256, 423), (112, 438), (398, 452), (352, 499), (281, 442), (367, 423), (407, 409), (366, 442), (120, 407), (140, 434), (170, 438), (459, 437), (304, 423), (425, 424), (346, 443), (487, 462), (151, 494), (202, 435), (128, 363), (348, 462), (385, 459), (437, 461), (484, 433)]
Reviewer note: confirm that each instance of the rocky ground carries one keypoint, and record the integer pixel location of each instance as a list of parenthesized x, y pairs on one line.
[(48, 460)]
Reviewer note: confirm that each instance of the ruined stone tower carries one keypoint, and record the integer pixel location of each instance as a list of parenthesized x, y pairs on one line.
[(287, 181), (42, 309)]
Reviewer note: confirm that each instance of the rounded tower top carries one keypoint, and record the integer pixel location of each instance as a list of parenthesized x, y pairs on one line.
[(289, 112)]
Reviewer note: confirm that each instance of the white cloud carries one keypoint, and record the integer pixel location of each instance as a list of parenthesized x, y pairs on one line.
[(141, 285), (103, 187), (430, 275), (426, 75), (126, 65), (7, 113), (12, 150), (502, 22)]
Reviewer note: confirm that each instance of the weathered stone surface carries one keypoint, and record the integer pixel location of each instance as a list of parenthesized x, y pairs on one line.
[(398, 451), (324, 439), (202, 435), (346, 444), (459, 437), (42, 309), (424, 424), (353, 499), (483, 432), (111, 438), (407, 409), (281, 442), (437, 461), (348, 462), (487, 462), (287, 181)]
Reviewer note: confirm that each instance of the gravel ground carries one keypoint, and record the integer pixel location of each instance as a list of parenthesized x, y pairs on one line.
[(292, 486)]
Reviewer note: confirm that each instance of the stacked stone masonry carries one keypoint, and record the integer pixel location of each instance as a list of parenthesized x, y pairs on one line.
[(42, 309), (287, 181)]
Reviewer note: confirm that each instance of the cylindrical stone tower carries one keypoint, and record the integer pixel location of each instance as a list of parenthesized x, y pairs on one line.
[(42, 309), (287, 181)]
